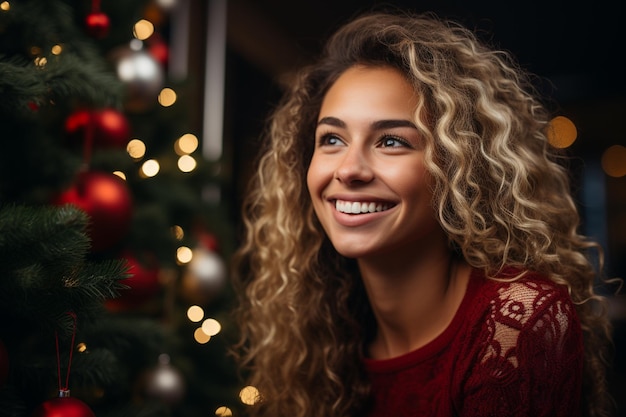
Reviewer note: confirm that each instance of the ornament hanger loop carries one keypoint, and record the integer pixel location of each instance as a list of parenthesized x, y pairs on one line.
[(64, 389)]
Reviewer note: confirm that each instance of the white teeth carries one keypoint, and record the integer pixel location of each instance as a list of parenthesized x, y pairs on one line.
[(357, 207)]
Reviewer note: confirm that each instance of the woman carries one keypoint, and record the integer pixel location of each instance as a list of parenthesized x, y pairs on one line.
[(411, 245)]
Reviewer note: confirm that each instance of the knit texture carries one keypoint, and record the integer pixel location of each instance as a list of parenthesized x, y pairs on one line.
[(513, 349)]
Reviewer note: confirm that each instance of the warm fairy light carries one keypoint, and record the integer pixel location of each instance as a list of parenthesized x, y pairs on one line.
[(81, 347), (186, 144), (561, 132), (200, 336), (195, 313), (136, 148), (5, 6), (150, 168), (223, 412), (178, 232), (35, 50), (187, 163), (120, 174), (167, 97), (143, 29), (184, 255), (249, 395), (211, 327), (56, 50), (41, 61), (614, 161)]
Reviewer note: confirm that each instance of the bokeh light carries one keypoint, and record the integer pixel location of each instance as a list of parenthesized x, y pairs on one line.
[(249, 395), (150, 168), (200, 336), (136, 148), (186, 144), (120, 174), (223, 412), (178, 232), (167, 97), (211, 327), (562, 132), (195, 313), (143, 29), (187, 163), (614, 161), (184, 255)]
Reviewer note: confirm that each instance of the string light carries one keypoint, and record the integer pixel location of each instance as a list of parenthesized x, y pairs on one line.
[(136, 149), (200, 336), (120, 174), (186, 144), (184, 255), (56, 50), (41, 61), (143, 29), (167, 97), (187, 163), (249, 395), (5, 6), (211, 327), (195, 313), (150, 168), (178, 232), (223, 412)]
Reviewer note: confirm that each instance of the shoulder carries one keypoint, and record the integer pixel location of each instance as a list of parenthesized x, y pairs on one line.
[(527, 354), (522, 295), (531, 305)]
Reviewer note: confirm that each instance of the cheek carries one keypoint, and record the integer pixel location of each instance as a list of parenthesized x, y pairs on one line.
[(310, 180), (314, 177)]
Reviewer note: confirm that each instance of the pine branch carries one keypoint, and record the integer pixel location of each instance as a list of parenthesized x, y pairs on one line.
[(43, 258), (44, 235), (77, 73)]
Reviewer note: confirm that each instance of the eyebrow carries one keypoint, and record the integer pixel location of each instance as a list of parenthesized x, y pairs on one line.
[(377, 125)]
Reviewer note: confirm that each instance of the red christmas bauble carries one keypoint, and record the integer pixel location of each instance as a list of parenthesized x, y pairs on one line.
[(97, 24), (159, 51), (63, 407), (107, 200), (208, 241), (109, 127), (143, 280)]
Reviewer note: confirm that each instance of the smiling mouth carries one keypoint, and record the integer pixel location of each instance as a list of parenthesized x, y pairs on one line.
[(361, 207)]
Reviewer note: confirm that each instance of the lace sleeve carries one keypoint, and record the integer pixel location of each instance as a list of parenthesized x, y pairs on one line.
[(531, 363)]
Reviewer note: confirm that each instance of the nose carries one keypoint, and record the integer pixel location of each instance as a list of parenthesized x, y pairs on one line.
[(354, 167)]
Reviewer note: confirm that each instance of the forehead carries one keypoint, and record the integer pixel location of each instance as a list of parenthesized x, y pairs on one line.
[(377, 90)]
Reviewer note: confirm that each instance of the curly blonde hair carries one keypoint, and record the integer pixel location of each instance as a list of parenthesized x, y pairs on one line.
[(501, 193)]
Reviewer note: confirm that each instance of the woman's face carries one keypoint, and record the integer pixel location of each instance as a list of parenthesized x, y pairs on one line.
[(367, 180)]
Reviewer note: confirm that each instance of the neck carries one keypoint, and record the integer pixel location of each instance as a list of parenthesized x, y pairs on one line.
[(413, 299)]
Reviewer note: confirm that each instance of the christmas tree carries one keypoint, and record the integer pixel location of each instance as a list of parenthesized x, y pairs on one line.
[(113, 267)]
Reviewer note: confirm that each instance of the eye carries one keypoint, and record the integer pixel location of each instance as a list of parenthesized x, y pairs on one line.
[(329, 139), (393, 142)]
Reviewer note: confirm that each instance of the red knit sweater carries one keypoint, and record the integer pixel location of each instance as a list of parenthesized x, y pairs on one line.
[(512, 349)]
